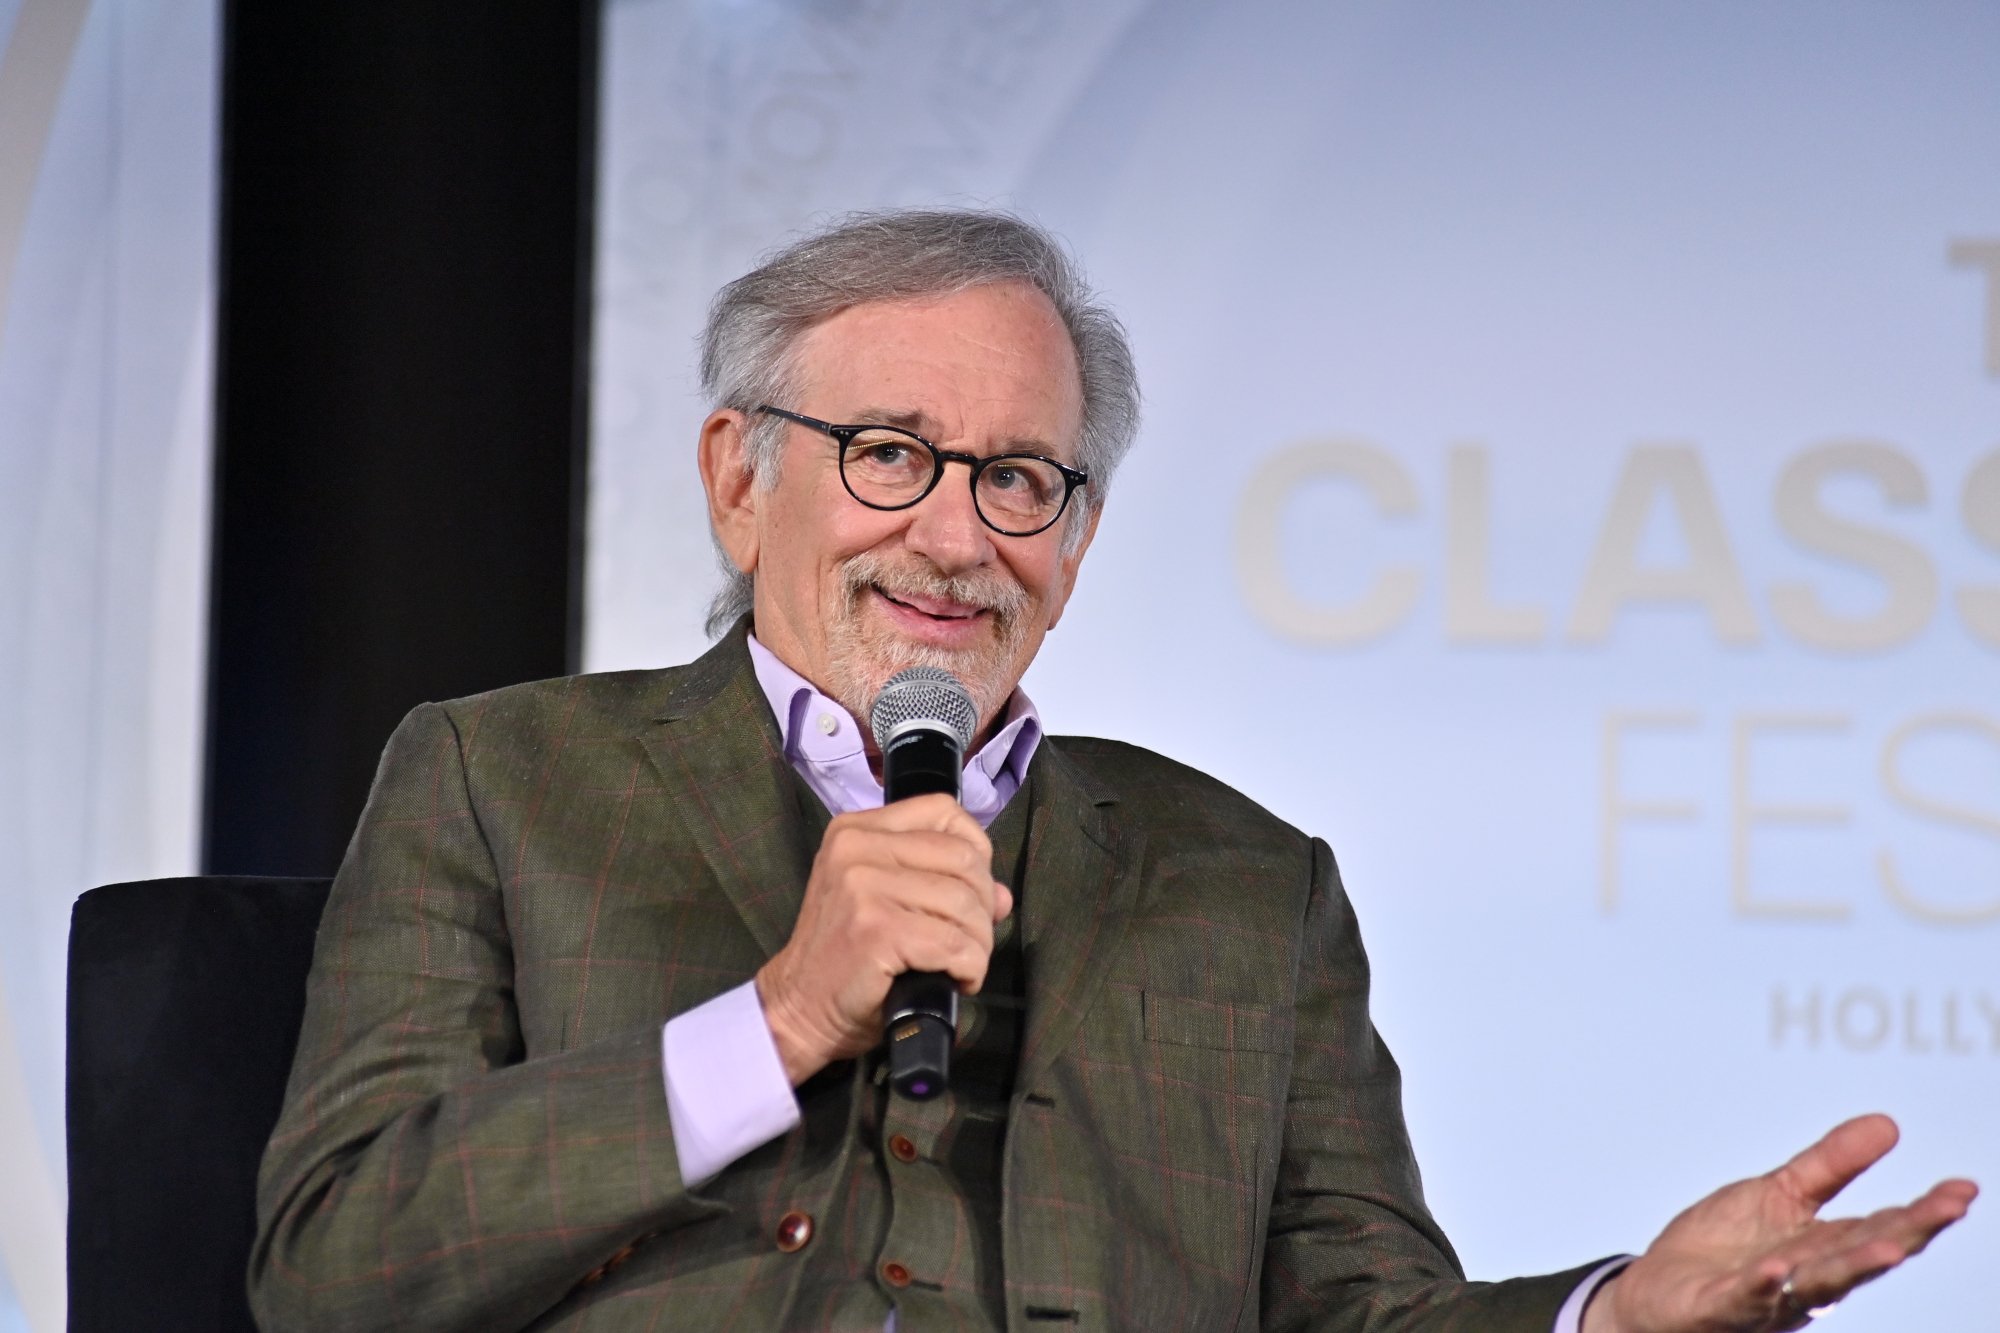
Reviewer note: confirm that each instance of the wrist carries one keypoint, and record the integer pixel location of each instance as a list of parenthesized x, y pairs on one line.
[(1597, 1311), (797, 1052)]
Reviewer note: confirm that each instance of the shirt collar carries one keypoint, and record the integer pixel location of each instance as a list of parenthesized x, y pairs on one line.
[(824, 742)]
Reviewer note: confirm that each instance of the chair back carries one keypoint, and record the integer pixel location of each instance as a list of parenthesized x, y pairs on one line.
[(185, 997)]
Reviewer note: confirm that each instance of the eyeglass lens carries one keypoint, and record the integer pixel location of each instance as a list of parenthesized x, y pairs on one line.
[(890, 469)]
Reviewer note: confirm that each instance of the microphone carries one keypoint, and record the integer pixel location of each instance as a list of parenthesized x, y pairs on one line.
[(922, 720)]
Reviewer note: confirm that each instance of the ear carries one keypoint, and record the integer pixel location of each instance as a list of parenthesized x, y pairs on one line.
[(724, 458), (1071, 562)]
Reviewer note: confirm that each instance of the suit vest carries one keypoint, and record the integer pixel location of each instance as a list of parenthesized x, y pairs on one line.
[(921, 1227)]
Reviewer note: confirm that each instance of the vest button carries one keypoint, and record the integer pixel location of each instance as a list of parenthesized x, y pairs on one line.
[(895, 1275), (794, 1230), (904, 1150)]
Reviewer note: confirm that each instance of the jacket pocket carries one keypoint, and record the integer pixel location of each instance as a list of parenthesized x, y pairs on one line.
[(1220, 1025)]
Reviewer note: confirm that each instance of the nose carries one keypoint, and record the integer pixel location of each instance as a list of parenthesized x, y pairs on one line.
[(945, 527)]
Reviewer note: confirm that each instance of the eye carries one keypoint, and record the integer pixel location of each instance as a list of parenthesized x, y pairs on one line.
[(885, 452), (886, 468), (882, 453), (1020, 483)]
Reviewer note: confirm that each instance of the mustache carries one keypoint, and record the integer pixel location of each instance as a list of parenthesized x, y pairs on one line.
[(988, 590)]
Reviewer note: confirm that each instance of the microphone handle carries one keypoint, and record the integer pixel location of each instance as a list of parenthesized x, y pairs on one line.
[(920, 1017), (920, 1024)]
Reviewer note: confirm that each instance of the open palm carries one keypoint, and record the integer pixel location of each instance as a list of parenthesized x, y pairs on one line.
[(1724, 1264)]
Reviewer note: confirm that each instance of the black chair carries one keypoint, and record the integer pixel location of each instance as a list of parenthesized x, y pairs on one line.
[(185, 997)]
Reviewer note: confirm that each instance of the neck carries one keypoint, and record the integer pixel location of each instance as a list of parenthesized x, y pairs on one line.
[(989, 726)]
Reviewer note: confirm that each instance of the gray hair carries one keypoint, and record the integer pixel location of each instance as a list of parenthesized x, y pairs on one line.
[(896, 254)]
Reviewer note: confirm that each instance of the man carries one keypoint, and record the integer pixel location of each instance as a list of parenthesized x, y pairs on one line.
[(591, 1039)]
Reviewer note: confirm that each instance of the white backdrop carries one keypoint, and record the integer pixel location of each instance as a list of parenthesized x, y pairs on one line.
[(1571, 484), (107, 128)]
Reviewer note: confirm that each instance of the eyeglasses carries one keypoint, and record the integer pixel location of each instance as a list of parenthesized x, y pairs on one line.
[(886, 467)]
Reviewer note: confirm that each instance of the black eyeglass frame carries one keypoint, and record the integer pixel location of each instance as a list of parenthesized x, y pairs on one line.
[(844, 437)]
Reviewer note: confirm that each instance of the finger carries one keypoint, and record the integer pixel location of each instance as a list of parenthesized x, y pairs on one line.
[(1813, 1261), (1822, 1171), (1904, 1231), (889, 897), (1910, 1226), (943, 898), (949, 854), (944, 883), (1837, 1257), (930, 945), (1003, 902), (935, 813), (855, 847), (919, 849)]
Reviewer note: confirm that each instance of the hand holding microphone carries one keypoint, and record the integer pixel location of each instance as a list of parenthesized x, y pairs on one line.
[(904, 889)]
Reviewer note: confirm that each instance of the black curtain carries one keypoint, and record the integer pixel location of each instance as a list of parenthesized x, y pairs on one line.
[(402, 356)]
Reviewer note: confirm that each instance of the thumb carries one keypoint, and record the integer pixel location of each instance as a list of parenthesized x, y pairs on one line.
[(1826, 1168)]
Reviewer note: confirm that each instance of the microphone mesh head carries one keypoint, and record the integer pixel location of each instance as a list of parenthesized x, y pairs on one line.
[(928, 693)]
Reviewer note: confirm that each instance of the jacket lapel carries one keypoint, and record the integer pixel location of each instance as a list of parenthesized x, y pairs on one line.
[(1079, 890), (721, 761), (723, 767)]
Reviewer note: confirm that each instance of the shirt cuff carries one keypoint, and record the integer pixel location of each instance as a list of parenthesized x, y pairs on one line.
[(1569, 1319), (726, 1087)]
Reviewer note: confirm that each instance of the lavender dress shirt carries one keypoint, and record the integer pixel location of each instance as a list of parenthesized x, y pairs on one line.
[(717, 1120)]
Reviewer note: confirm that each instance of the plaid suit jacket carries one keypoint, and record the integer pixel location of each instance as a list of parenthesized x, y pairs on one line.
[(1206, 1132)]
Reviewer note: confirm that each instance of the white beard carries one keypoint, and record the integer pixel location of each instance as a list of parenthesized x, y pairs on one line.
[(863, 654)]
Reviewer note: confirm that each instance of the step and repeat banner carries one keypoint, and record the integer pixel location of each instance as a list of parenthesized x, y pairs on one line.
[(1570, 483), (107, 149)]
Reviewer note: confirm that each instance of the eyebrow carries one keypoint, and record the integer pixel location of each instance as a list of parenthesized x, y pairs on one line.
[(918, 423), (903, 419)]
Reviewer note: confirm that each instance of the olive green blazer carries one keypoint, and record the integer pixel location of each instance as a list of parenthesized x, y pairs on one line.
[(1206, 1132)]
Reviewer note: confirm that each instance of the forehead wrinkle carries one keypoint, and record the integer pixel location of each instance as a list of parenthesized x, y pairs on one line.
[(1005, 354), (903, 418), (920, 423)]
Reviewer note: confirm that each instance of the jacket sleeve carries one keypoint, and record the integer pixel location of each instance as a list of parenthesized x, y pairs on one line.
[(423, 1174), (1350, 1247)]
